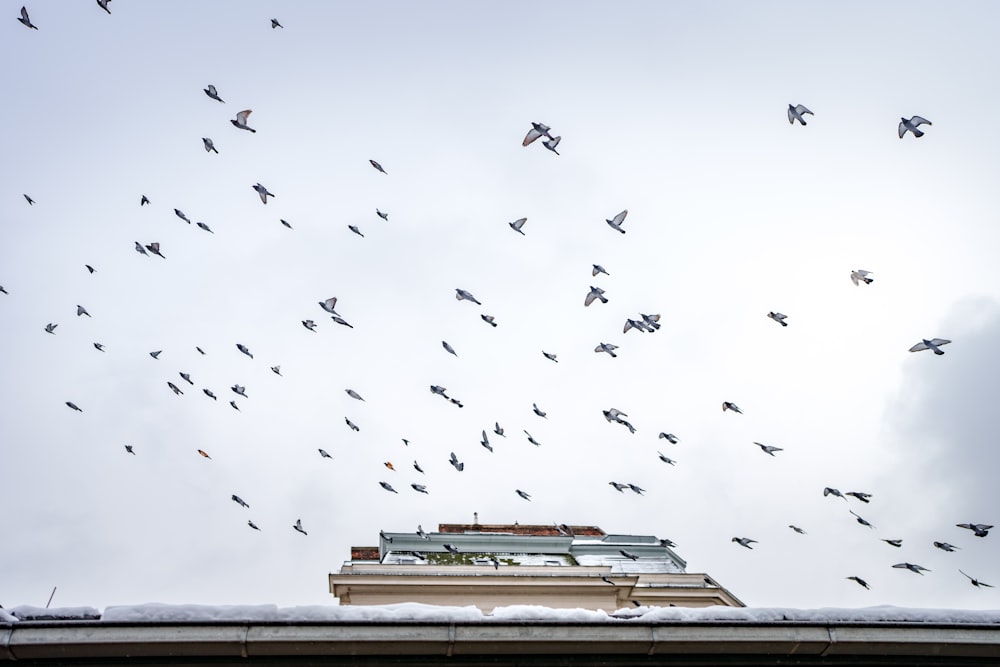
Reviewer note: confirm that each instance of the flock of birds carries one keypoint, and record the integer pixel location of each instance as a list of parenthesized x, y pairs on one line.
[(642, 322)]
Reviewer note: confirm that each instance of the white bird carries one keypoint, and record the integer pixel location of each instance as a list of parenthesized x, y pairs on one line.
[(209, 145), (616, 222), (353, 394), (795, 114), (606, 347), (552, 143), (241, 120), (25, 20), (744, 542), (537, 130), (912, 125), (517, 225), (213, 93), (768, 449), (860, 275), (263, 192), (298, 527), (779, 318), (932, 344), (448, 348), (594, 293), (462, 295)]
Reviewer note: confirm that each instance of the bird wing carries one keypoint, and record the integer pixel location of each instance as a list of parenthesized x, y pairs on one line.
[(531, 136), (242, 116), (917, 121), (940, 341), (902, 131), (918, 347), (618, 219)]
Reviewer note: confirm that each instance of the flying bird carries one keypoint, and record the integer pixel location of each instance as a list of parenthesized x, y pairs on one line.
[(103, 4), (598, 269), (285, 223), (275, 24), (252, 524), (419, 488), (351, 425), (978, 529), (213, 93), (895, 543), (638, 490), (498, 429), (325, 454), (388, 464), (912, 567), (537, 130), (180, 214), (128, 448), (240, 501), (416, 466), (384, 216), (664, 542), (202, 225), (490, 320), (241, 120), (51, 328), (262, 191), (912, 125), (26, 21), (860, 495), (450, 548), (594, 293), (795, 114), (458, 465), (421, 534), (976, 582), (619, 487), (944, 546), (861, 582), (309, 324), (462, 295), (859, 276), (233, 405), (628, 554), (727, 405), (73, 406), (551, 356), (388, 487), (616, 222), (607, 347), (779, 318), (378, 166), (144, 200), (276, 370), (354, 228), (485, 442), (768, 449), (329, 305), (204, 453), (80, 310), (208, 392), (448, 348), (552, 143), (532, 440), (298, 527), (538, 411), (154, 248), (517, 225), (797, 529), (139, 249), (670, 437), (174, 388), (353, 394), (210, 146), (744, 542), (526, 496), (90, 269), (240, 390), (244, 349), (156, 354), (99, 347), (829, 491), (932, 344), (665, 459)]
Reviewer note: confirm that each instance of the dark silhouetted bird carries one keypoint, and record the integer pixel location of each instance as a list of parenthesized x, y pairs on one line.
[(244, 349), (25, 20), (128, 448), (73, 406), (859, 580), (918, 569), (727, 405), (378, 166), (325, 454), (240, 501), (275, 24), (976, 582), (298, 527)]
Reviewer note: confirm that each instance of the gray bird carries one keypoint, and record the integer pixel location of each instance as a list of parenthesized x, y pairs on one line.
[(744, 542), (419, 488), (498, 429), (202, 225), (727, 405), (779, 318), (378, 166), (912, 125), (128, 448), (156, 354), (918, 569), (252, 524), (275, 24), (416, 466), (944, 546), (240, 390), (895, 543), (180, 214), (155, 249), (976, 582), (210, 146), (329, 305), (797, 529), (462, 295), (213, 93), (616, 222), (607, 347), (860, 519), (208, 392), (636, 324), (186, 377), (768, 449), (517, 225), (51, 328), (619, 487), (860, 495), (458, 465), (448, 348), (103, 4), (80, 310), (240, 501), (450, 548), (384, 216), (526, 496), (485, 442), (276, 370), (26, 21), (490, 320), (594, 293), (829, 491), (351, 425), (309, 324), (532, 440), (598, 269), (354, 228), (664, 542), (651, 321), (638, 490), (978, 529), (628, 554), (665, 459), (286, 223), (859, 580), (552, 143), (859, 276), (325, 454), (298, 527), (243, 348), (439, 390), (538, 411), (388, 487), (99, 347), (73, 406), (174, 388), (932, 344), (537, 130), (551, 356), (670, 437), (241, 120), (233, 405), (353, 394), (421, 534), (262, 191), (615, 415), (795, 114)]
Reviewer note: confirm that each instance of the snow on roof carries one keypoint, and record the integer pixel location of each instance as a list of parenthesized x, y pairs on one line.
[(416, 612)]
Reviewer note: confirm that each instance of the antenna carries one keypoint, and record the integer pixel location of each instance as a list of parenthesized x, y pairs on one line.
[(50, 597)]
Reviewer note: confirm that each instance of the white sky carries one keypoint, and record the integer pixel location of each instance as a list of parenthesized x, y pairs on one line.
[(675, 111)]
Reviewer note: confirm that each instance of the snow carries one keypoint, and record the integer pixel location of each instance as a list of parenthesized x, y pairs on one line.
[(28, 612)]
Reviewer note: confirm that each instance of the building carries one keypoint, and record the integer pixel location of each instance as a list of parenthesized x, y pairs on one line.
[(489, 566)]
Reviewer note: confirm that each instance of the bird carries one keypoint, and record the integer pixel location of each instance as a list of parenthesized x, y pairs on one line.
[(388, 464), (727, 405), (329, 305), (978, 529), (606, 347), (944, 546), (779, 318), (448, 348), (26, 21), (458, 465), (309, 324), (912, 567), (976, 582), (628, 554), (139, 249), (669, 437), (744, 542), (240, 390), (204, 454), (594, 293), (99, 347), (298, 527), (378, 167), (526, 496), (912, 125), (384, 216), (636, 324), (51, 328), (618, 486), (154, 248), (385, 537), (861, 582), (608, 581), (354, 228), (80, 310), (463, 295), (213, 93), (285, 223), (3, 290), (156, 354), (860, 495), (325, 454), (241, 120), (202, 225), (538, 411), (597, 268), (537, 130), (174, 388), (485, 442), (90, 269), (829, 491), (180, 214), (768, 449), (144, 200), (421, 534), (103, 4), (615, 415), (638, 490), (233, 405), (276, 370), (895, 543), (209, 145), (517, 225), (208, 392), (664, 542), (532, 440), (450, 548), (240, 501), (252, 524), (353, 394), (797, 529), (551, 356), (275, 24), (262, 191), (419, 488), (244, 349), (795, 114), (616, 222), (351, 425), (859, 276), (498, 429), (490, 320), (416, 466), (932, 344), (388, 487), (439, 390), (665, 459), (552, 143), (73, 406), (128, 448)]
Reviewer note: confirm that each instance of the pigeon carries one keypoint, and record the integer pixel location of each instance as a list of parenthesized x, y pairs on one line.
[(727, 405), (202, 225), (538, 411), (828, 491), (233, 405), (895, 543), (275, 24), (664, 542), (450, 548), (978, 529), (174, 388), (550, 356), (458, 465), (912, 125), (416, 466), (526, 496), (744, 542), (329, 305), (144, 200), (932, 344), (517, 225), (419, 488), (73, 406), (240, 390), (607, 347), (276, 370), (208, 392), (618, 486), (90, 269), (944, 546), (384, 216), (637, 489), (286, 223), (243, 348), (532, 440), (976, 582), (670, 437), (309, 324), (652, 321), (537, 130), (860, 495), (628, 554), (912, 567), (616, 222), (378, 166), (128, 448), (636, 324), (209, 146), (80, 310), (298, 527), (385, 537), (498, 429), (354, 228), (213, 93), (795, 114), (204, 454), (406, 442), (615, 415), (103, 4), (252, 524), (421, 534), (156, 354), (240, 501), (797, 529), (594, 293), (154, 248), (860, 275), (200, 351), (448, 348), (241, 120), (180, 214), (462, 295), (439, 390), (608, 581), (768, 449), (353, 394), (99, 347), (26, 21), (598, 269), (3, 290), (485, 442), (552, 143), (665, 459), (388, 487), (861, 582), (139, 249), (325, 454), (490, 320), (51, 328), (779, 318), (262, 191), (351, 425)]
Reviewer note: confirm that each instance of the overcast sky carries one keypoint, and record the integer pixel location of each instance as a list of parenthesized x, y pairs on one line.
[(673, 111)]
